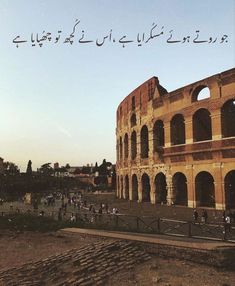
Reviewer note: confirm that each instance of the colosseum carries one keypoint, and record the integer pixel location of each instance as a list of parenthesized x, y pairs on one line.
[(178, 147)]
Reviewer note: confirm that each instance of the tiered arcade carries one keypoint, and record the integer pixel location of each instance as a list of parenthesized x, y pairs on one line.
[(178, 147)]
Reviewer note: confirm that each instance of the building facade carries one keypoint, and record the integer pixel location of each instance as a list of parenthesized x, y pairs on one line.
[(178, 147)]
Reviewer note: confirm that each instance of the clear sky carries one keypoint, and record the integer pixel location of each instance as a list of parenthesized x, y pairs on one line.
[(58, 101)]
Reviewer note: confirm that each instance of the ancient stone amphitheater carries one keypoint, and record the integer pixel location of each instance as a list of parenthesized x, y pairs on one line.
[(178, 147)]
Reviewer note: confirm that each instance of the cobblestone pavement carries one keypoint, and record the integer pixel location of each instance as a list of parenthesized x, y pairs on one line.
[(90, 265)]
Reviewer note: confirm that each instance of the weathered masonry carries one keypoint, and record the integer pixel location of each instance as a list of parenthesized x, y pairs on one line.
[(178, 147)]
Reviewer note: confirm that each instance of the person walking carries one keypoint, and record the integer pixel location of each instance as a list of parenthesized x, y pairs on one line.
[(195, 215)]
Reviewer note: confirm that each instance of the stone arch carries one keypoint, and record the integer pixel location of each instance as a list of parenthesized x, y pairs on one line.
[(229, 189), (133, 145), (177, 129), (133, 120), (158, 135), (126, 195), (120, 148), (180, 189), (145, 188), (228, 118), (144, 139), (160, 188), (135, 195), (200, 92), (126, 146), (205, 189), (202, 125)]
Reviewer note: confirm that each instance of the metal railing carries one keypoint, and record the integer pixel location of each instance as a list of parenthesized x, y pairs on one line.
[(140, 224)]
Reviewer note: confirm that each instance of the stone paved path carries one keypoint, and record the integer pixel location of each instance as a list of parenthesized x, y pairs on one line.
[(90, 265)]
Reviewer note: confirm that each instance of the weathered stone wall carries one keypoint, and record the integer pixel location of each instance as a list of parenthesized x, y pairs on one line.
[(196, 154)]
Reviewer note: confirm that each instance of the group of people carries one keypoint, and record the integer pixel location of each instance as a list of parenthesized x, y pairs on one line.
[(204, 216)]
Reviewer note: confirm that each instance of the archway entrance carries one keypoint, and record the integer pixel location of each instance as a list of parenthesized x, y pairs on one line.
[(180, 189), (160, 188), (126, 196), (228, 118), (145, 188), (202, 125), (144, 137), (205, 190), (135, 196), (229, 189)]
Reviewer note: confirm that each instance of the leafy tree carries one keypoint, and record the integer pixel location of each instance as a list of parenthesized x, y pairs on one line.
[(46, 169), (29, 168), (10, 168)]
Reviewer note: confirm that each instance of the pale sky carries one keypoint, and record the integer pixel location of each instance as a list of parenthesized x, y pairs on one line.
[(59, 101)]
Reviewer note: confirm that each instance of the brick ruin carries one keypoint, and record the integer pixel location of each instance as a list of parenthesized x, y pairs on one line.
[(178, 147)]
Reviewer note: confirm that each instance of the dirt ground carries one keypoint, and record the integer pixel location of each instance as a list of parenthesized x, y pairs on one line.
[(22, 247)]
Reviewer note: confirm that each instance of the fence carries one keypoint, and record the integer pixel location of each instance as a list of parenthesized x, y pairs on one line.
[(143, 224)]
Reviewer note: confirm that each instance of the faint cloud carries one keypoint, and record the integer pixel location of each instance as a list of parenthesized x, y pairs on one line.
[(64, 131)]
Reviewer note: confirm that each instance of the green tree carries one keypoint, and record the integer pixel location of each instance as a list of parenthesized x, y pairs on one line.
[(46, 169), (29, 168), (10, 168)]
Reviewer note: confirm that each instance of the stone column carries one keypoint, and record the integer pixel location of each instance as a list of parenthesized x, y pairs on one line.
[(170, 191), (188, 130), (216, 124), (190, 186), (140, 190), (219, 187), (167, 131), (150, 145), (153, 191)]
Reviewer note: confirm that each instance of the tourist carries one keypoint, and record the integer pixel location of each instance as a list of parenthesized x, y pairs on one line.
[(223, 216), (227, 223), (73, 218), (204, 216), (195, 215)]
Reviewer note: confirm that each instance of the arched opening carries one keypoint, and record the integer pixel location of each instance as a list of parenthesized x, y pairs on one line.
[(158, 135), (126, 187), (201, 92), (228, 118), (133, 145), (135, 196), (121, 188), (133, 120), (120, 148), (145, 188), (202, 125), (229, 189), (126, 146), (205, 190), (160, 188), (177, 130), (180, 189), (144, 137)]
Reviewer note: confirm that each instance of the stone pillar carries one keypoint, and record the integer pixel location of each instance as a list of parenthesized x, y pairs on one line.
[(188, 130), (167, 131), (140, 189), (219, 187), (216, 124), (170, 191), (153, 191), (130, 188), (150, 145), (190, 186), (138, 147)]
